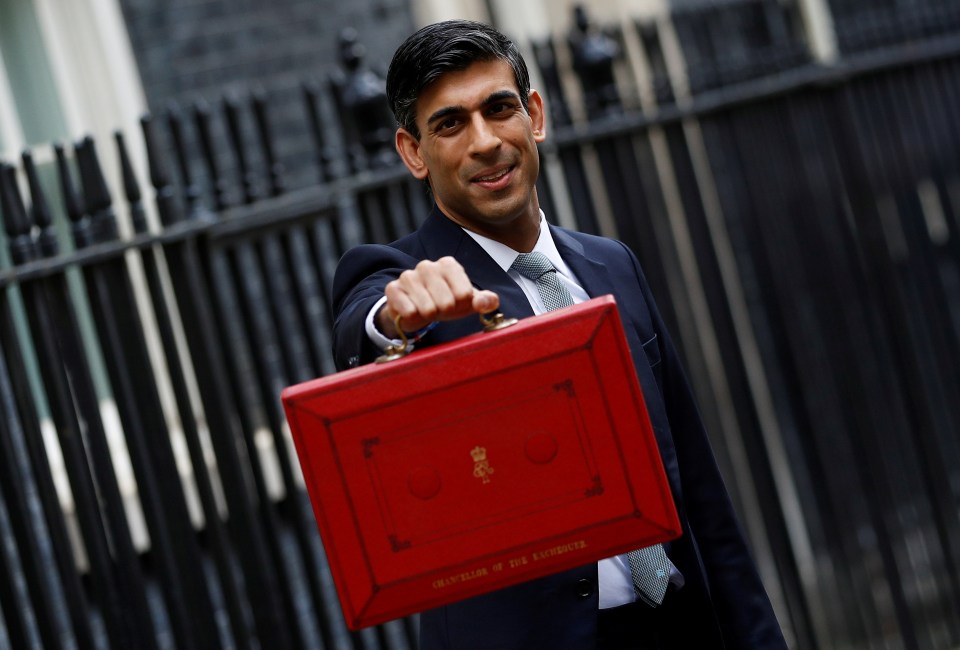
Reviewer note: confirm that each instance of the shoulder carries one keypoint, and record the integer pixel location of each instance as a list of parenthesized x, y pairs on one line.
[(374, 265), (613, 254), (366, 259), (593, 244)]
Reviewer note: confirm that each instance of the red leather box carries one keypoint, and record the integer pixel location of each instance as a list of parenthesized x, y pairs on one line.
[(481, 463)]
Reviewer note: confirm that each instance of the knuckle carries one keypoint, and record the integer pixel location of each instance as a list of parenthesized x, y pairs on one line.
[(391, 287), (464, 294), (449, 263), (406, 278), (445, 303)]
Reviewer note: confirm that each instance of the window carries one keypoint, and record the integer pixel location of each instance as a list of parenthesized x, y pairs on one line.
[(30, 108)]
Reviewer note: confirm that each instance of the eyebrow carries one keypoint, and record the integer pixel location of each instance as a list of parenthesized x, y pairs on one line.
[(490, 99)]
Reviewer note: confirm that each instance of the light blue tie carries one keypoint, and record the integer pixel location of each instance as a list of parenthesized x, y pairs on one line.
[(538, 268), (649, 567), (650, 570)]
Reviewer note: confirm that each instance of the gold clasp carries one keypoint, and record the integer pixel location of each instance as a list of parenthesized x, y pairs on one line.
[(496, 322), (394, 352)]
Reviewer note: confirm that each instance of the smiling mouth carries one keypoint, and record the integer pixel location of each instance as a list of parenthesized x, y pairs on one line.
[(494, 177)]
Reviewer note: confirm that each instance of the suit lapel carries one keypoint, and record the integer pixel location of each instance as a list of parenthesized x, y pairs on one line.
[(593, 276)]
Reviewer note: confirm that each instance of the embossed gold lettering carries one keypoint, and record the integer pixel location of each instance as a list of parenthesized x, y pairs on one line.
[(457, 578), (560, 549)]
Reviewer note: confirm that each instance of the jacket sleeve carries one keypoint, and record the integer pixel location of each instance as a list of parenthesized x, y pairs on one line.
[(361, 276), (740, 601)]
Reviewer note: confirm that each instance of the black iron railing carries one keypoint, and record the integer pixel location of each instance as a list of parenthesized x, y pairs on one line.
[(798, 222)]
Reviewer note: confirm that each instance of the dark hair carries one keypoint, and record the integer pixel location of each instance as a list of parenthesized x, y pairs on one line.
[(446, 47)]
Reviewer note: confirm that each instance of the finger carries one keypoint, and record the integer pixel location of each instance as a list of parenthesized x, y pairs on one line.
[(452, 295), (415, 284), (449, 287), (460, 287), (411, 302)]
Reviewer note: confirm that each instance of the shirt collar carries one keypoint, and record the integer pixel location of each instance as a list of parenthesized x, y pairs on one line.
[(504, 256)]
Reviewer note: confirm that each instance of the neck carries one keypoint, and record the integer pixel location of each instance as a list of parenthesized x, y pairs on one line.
[(520, 233)]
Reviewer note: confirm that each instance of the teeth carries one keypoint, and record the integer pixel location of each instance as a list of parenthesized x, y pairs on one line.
[(493, 177)]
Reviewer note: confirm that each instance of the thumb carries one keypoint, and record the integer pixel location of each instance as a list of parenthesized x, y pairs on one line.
[(485, 301)]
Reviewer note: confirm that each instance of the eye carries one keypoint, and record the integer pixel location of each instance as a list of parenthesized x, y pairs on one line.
[(499, 107), (447, 124)]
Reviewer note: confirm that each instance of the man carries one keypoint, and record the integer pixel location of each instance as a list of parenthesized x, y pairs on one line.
[(469, 126)]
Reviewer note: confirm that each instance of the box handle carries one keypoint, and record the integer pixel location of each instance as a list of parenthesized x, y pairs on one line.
[(393, 352)]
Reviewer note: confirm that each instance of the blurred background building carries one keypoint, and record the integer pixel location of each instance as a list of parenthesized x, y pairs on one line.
[(179, 178)]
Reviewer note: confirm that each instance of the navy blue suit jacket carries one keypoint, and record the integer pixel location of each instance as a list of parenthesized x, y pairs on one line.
[(725, 604)]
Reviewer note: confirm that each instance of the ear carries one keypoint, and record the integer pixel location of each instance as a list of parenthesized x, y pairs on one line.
[(409, 149), (537, 116)]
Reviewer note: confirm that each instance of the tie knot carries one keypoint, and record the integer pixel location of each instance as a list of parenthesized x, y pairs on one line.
[(536, 267), (532, 265)]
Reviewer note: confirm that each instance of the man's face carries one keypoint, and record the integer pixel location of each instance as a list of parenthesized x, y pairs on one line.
[(478, 148)]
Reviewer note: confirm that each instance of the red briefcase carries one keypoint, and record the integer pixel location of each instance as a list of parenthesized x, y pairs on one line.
[(481, 463)]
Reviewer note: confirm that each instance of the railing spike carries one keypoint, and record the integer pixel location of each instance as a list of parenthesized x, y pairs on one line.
[(231, 109), (311, 100), (15, 219), (191, 191), (274, 167), (167, 208), (202, 117), (16, 224), (91, 176), (131, 186), (71, 200), (159, 175), (101, 218), (39, 211)]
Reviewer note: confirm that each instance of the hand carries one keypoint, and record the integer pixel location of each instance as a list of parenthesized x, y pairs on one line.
[(432, 291)]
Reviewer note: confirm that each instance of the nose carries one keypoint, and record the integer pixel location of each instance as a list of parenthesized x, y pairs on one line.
[(484, 139)]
